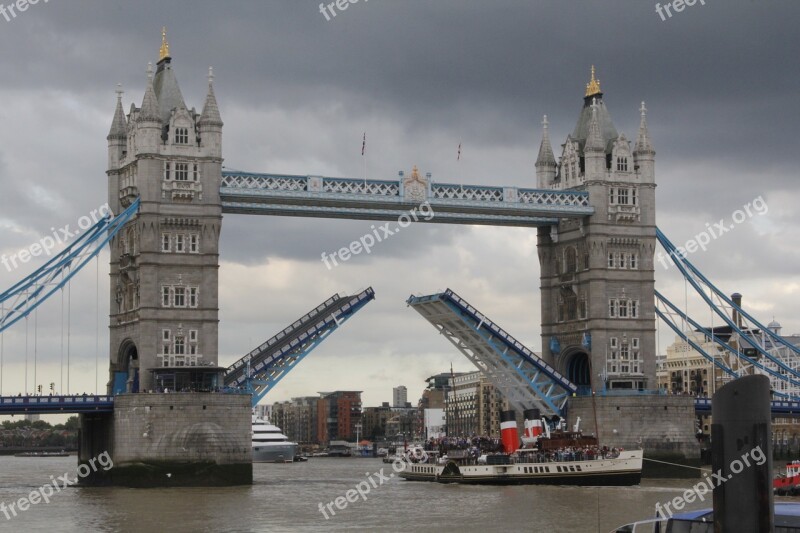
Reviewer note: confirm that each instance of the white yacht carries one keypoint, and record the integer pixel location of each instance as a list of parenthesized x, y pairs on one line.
[(270, 445)]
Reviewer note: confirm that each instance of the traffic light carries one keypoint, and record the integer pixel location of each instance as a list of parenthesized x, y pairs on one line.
[(40, 389), (52, 386)]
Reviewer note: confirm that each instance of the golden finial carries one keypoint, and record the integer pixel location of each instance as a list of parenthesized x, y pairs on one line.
[(415, 173), (164, 52), (593, 87)]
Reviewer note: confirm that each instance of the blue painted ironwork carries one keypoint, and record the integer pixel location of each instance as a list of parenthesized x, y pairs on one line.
[(691, 273), (525, 380), (261, 369), (702, 406), (672, 309), (15, 405), (20, 300), (698, 281), (318, 196)]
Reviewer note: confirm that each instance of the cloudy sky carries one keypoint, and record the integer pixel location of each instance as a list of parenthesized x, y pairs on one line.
[(296, 93)]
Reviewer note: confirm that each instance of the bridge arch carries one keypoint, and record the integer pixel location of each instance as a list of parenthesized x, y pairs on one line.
[(127, 379), (576, 366)]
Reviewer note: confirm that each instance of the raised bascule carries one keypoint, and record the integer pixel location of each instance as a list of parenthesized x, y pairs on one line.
[(594, 210)]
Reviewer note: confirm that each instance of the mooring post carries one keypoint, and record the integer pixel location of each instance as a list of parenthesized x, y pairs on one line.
[(741, 456)]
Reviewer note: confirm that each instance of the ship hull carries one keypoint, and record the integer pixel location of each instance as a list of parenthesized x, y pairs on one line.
[(624, 470), (277, 453)]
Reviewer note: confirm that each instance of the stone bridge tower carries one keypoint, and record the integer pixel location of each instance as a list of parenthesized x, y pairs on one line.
[(164, 264), (597, 277)]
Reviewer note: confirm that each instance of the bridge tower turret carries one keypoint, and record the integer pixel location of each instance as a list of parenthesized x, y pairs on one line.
[(597, 278), (164, 264)]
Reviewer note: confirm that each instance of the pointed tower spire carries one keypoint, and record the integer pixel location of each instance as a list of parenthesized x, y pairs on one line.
[(210, 114), (594, 142), (119, 126), (546, 155), (149, 109), (643, 144), (593, 87), (546, 167), (163, 52)]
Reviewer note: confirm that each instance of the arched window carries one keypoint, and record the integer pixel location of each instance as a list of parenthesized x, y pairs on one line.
[(571, 260)]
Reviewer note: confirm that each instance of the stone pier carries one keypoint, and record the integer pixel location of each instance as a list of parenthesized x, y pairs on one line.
[(178, 439), (662, 425)]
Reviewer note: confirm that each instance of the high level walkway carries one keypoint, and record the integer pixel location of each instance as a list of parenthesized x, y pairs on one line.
[(317, 196)]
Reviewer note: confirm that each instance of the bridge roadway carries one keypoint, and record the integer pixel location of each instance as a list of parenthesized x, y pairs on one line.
[(62, 404), (20, 405)]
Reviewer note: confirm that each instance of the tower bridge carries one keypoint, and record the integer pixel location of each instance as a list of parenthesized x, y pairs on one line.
[(593, 210)]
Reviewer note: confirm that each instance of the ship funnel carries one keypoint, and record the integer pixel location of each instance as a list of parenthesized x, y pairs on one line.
[(533, 427), (508, 431)]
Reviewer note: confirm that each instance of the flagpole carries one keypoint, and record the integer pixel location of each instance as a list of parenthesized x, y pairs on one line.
[(364, 157), (460, 178)]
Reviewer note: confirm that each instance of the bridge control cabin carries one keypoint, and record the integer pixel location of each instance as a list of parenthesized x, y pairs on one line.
[(188, 378)]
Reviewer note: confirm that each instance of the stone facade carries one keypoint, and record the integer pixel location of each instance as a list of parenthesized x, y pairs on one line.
[(597, 276), (164, 263), (664, 426), (188, 439)]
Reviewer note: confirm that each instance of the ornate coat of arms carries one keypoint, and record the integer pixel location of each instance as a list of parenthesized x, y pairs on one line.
[(415, 187)]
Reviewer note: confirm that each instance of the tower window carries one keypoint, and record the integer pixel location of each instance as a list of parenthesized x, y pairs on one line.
[(180, 297), (622, 164), (571, 260), (181, 136), (165, 242), (165, 300), (611, 262), (181, 171), (180, 243), (195, 172), (166, 171), (194, 243), (622, 196), (180, 346), (612, 308), (193, 297), (634, 261), (633, 197), (612, 195)]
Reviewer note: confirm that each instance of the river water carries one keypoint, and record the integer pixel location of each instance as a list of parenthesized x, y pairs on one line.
[(286, 498)]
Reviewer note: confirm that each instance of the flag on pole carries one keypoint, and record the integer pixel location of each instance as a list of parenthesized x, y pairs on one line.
[(364, 144), (459, 152)]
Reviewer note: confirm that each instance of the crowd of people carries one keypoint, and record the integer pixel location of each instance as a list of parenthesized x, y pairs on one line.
[(476, 447)]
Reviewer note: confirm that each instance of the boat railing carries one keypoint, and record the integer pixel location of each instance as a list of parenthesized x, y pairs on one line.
[(540, 458)]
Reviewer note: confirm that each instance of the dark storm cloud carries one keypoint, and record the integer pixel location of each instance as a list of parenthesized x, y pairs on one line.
[(296, 93)]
